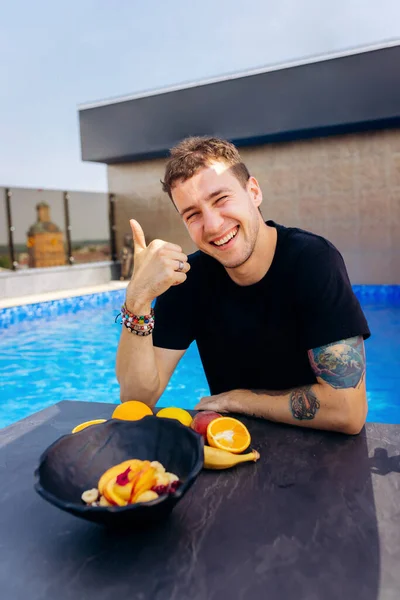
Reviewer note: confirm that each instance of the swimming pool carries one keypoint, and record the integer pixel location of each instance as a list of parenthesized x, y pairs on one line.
[(65, 350)]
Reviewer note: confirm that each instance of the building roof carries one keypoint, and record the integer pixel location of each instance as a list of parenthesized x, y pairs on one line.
[(350, 91)]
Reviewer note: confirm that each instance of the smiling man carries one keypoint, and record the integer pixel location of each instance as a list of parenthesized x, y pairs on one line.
[(279, 330)]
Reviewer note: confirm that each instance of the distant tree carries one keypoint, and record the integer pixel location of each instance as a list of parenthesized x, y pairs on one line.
[(5, 262)]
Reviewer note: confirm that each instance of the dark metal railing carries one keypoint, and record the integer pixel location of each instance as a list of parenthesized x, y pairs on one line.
[(111, 220), (68, 228), (10, 229)]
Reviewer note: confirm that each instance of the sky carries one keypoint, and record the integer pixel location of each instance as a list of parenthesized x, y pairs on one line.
[(57, 55)]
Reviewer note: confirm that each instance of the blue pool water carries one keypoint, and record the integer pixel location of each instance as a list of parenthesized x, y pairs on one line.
[(65, 350)]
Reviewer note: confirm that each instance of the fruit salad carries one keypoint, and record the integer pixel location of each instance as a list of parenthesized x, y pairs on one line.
[(132, 481)]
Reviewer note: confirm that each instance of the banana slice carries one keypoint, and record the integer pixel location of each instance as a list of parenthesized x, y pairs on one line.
[(90, 496), (162, 479), (158, 466), (147, 496)]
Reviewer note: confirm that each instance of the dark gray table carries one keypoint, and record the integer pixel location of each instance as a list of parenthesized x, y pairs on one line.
[(317, 518)]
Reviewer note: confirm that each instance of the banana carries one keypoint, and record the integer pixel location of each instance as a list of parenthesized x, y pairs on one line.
[(214, 458), (90, 496)]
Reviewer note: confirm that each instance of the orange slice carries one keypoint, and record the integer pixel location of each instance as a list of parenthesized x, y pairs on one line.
[(133, 410), (87, 424), (229, 434)]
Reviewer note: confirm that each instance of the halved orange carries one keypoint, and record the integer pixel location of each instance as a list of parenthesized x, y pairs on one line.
[(227, 433), (133, 410)]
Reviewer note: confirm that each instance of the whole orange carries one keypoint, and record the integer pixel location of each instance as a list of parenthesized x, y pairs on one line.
[(133, 410)]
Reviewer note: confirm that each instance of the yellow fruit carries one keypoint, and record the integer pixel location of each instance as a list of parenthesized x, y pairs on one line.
[(112, 496), (145, 480), (147, 496), (214, 458), (134, 464), (181, 415), (87, 424), (158, 466), (133, 410), (172, 477), (123, 491), (229, 434), (162, 479), (90, 496), (104, 502)]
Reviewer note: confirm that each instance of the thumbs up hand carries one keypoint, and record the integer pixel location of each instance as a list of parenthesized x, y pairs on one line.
[(156, 268)]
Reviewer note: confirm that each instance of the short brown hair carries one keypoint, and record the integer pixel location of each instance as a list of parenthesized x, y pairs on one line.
[(194, 153)]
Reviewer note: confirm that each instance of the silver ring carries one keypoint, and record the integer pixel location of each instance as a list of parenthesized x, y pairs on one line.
[(181, 265)]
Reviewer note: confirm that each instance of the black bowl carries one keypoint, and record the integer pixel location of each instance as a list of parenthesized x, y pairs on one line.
[(75, 462)]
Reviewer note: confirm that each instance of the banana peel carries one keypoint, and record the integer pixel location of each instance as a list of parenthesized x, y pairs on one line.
[(214, 458)]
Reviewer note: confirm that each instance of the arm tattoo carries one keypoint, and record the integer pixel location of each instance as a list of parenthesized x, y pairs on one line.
[(303, 403), (341, 364)]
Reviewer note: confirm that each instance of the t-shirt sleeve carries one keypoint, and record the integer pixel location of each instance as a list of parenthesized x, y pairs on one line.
[(173, 317), (328, 308)]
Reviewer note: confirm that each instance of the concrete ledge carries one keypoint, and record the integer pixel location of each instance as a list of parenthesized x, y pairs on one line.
[(29, 282), (112, 286)]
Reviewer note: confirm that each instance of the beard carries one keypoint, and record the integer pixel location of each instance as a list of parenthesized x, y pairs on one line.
[(238, 261)]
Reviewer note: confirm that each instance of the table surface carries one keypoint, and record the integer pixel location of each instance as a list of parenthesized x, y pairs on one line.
[(317, 518)]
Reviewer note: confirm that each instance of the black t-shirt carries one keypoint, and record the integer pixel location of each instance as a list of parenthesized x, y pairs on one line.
[(257, 336)]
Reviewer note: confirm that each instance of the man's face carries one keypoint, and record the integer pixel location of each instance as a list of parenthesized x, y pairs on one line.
[(221, 216)]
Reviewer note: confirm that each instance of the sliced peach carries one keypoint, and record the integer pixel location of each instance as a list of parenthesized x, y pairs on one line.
[(138, 480), (123, 491), (112, 496), (104, 502), (108, 498), (138, 474), (134, 483), (112, 473), (125, 481), (145, 481)]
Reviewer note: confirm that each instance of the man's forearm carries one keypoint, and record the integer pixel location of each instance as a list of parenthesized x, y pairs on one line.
[(307, 406), (317, 406), (136, 368), (157, 266)]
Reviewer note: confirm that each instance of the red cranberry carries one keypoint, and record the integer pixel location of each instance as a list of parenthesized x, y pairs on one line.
[(160, 489), (174, 486), (122, 478)]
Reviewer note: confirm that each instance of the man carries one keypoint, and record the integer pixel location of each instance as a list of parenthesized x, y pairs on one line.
[(279, 330)]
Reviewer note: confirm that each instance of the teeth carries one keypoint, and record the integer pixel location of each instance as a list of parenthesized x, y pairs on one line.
[(226, 238)]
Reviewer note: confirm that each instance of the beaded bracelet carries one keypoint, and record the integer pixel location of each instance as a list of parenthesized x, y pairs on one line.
[(139, 325)]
